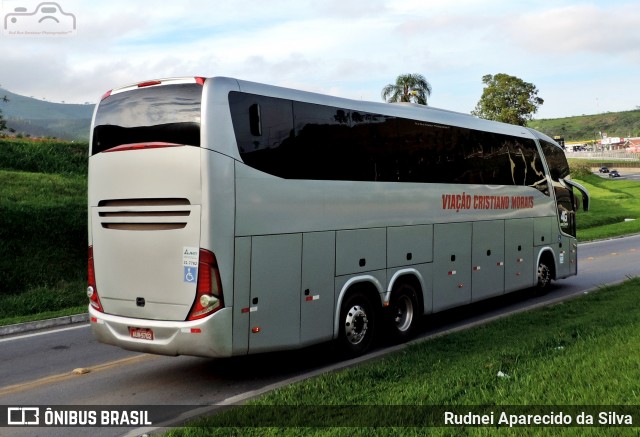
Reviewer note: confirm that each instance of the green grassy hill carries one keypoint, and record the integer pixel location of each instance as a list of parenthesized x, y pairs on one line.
[(588, 127), (38, 118), (43, 225)]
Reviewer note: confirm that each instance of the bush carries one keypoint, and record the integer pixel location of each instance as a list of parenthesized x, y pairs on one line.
[(579, 169)]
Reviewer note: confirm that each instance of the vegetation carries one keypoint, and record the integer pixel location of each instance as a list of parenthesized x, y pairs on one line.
[(507, 99), (43, 226), (3, 122), (614, 209), (408, 88), (587, 128), (574, 353)]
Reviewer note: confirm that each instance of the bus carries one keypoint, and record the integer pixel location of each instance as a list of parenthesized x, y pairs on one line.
[(228, 217)]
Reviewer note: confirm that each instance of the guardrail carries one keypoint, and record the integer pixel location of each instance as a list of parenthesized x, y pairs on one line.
[(613, 155)]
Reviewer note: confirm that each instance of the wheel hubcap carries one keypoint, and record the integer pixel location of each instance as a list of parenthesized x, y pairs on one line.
[(543, 275), (403, 313), (356, 324)]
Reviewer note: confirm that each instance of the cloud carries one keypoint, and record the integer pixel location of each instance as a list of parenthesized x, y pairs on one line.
[(345, 48), (608, 30)]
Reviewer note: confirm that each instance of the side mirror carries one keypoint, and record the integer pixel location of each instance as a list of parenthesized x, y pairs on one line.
[(583, 191)]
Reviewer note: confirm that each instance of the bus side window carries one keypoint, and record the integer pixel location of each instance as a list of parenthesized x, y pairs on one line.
[(255, 124)]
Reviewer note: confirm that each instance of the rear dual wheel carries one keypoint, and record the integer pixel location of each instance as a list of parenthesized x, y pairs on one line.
[(357, 324), (359, 319), (403, 313), (545, 276)]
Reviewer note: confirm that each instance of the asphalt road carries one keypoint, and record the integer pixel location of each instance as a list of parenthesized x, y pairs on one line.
[(38, 368), (625, 173)]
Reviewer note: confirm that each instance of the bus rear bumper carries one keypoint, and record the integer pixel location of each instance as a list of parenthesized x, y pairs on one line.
[(208, 337)]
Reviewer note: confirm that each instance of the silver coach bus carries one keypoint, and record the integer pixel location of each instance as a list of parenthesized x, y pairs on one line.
[(228, 217)]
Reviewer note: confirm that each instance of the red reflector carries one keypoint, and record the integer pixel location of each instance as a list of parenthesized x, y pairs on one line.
[(105, 95), (255, 329), (149, 83), (196, 330), (244, 310), (92, 289), (200, 80), (94, 319), (208, 297), (308, 298), (141, 146)]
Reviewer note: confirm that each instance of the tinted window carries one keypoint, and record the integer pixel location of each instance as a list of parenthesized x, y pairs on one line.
[(559, 169), (169, 113), (264, 131), (340, 144), (556, 160)]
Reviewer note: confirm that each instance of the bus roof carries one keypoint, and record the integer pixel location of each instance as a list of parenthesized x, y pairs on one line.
[(412, 111)]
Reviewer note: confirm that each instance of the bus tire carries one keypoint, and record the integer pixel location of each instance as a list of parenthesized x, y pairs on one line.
[(545, 275), (357, 324), (403, 313)]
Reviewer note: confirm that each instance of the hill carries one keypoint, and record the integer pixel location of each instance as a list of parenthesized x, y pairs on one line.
[(588, 127), (30, 116)]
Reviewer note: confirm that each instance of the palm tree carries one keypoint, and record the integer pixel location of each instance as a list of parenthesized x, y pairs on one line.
[(408, 87)]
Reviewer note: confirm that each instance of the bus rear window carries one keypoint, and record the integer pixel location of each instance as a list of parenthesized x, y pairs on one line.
[(168, 113)]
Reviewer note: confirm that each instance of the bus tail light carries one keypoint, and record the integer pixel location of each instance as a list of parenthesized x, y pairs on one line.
[(209, 289), (149, 83), (142, 146), (92, 290)]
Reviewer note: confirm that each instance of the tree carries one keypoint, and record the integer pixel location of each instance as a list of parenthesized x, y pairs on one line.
[(507, 99), (408, 88), (3, 122)]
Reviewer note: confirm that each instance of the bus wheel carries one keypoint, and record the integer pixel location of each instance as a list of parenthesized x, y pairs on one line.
[(357, 324), (403, 312), (544, 277)]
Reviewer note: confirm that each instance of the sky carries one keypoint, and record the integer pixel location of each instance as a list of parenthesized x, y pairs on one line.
[(583, 56)]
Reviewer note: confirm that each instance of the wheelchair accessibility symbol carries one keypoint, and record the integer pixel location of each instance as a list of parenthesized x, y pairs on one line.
[(190, 274)]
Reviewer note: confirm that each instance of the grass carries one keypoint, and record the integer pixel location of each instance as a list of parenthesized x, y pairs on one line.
[(567, 355), (613, 201), (43, 230), (43, 302), (67, 311), (43, 156), (595, 164)]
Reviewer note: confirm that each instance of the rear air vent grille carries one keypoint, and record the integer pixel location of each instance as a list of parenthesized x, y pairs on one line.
[(144, 213), (143, 226), (156, 214), (144, 202)]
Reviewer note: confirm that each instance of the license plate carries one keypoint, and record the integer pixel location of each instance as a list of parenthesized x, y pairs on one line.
[(141, 333)]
